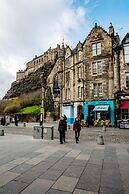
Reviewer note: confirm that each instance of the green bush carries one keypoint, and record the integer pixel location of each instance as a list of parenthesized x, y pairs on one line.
[(30, 110)]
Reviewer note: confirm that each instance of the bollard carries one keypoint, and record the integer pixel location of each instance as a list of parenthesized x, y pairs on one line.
[(100, 140), (52, 133), (68, 126), (24, 124), (104, 127), (2, 132)]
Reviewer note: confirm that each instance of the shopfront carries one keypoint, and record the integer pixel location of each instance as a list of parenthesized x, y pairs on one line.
[(72, 110), (124, 106), (99, 110), (68, 110)]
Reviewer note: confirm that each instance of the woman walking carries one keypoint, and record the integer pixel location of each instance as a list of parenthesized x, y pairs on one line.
[(77, 128)]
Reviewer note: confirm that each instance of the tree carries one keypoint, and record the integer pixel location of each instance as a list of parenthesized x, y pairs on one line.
[(48, 101)]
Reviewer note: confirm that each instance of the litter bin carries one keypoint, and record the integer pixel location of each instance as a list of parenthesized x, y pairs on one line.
[(38, 132), (2, 132)]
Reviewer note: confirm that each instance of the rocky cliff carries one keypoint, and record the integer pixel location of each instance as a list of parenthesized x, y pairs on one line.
[(31, 83)]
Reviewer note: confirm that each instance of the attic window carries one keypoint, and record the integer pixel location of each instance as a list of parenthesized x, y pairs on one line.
[(126, 53), (96, 49)]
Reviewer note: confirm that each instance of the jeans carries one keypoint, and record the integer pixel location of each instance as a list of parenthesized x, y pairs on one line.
[(77, 135)]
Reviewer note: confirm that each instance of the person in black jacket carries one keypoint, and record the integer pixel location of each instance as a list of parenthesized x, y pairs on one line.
[(62, 128)]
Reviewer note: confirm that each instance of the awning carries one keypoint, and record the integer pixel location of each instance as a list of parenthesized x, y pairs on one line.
[(101, 108), (124, 104)]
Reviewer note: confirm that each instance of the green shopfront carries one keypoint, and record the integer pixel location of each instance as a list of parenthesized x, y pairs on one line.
[(99, 109)]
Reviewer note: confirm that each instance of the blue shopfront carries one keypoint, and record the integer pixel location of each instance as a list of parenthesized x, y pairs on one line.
[(99, 109), (68, 110), (71, 110)]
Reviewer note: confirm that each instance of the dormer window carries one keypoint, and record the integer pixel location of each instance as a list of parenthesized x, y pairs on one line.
[(96, 49), (126, 53)]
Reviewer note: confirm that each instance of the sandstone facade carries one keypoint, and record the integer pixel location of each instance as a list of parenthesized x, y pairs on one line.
[(95, 69)]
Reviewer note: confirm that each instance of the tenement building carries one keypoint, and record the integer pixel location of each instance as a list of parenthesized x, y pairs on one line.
[(91, 80)]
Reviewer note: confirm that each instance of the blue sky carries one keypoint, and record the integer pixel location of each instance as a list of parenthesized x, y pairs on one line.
[(28, 28), (105, 11)]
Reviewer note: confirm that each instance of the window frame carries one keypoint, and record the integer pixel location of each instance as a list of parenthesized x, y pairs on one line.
[(99, 68), (96, 49), (126, 54), (97, 90)]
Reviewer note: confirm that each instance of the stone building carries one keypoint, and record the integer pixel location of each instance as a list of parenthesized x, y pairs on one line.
[(87, 80)]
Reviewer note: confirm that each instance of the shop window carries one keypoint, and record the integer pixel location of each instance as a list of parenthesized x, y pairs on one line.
[(125, 114), (126, 53), (97, 68), (96, 49), (127, 79)]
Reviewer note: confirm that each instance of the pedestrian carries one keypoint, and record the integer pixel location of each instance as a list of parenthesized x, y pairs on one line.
[(87, 121), (77, 128), (62, 128), (16, 120)]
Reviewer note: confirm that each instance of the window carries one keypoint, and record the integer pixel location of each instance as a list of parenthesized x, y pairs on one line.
[(98, 89), (68, 93), (79, 92), (68, 77), (94, 68), (97, 68), (127, 79), (125, 114), (67, 62), (96, 49), (77, 57), (82, 92), (95, 90), (126, 53), (79, 72)]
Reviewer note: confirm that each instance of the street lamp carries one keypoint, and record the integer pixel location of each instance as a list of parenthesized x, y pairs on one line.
[(42, 102)]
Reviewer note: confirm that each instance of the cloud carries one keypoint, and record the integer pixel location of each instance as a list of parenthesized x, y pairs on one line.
[(30, 27)]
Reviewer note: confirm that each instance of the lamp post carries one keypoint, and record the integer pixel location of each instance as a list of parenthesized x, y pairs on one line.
[(42, 103)]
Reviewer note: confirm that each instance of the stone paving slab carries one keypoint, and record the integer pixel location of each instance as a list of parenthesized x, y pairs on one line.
[(90, 178), (13, 187), (74, 171), (6, 167), (55, 191), (39, 186), (51, 175), (79, 191), (21, 168), (105, 190), (65, 183), (19, 160), (7, 177)]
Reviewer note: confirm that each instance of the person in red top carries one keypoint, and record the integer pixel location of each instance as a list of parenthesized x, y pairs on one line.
[(77, 128)]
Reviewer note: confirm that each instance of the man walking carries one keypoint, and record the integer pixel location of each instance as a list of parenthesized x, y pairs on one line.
[(62, 128)]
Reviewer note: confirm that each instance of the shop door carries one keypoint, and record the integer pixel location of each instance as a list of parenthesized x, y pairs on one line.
[(91, 114)]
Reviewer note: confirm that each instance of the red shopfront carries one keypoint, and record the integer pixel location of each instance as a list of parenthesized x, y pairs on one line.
[(124, 106)]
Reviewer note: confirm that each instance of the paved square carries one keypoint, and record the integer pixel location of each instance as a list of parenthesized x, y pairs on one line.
[(30, 166)]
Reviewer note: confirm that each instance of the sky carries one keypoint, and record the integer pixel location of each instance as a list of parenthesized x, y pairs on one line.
[(30, 27)]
